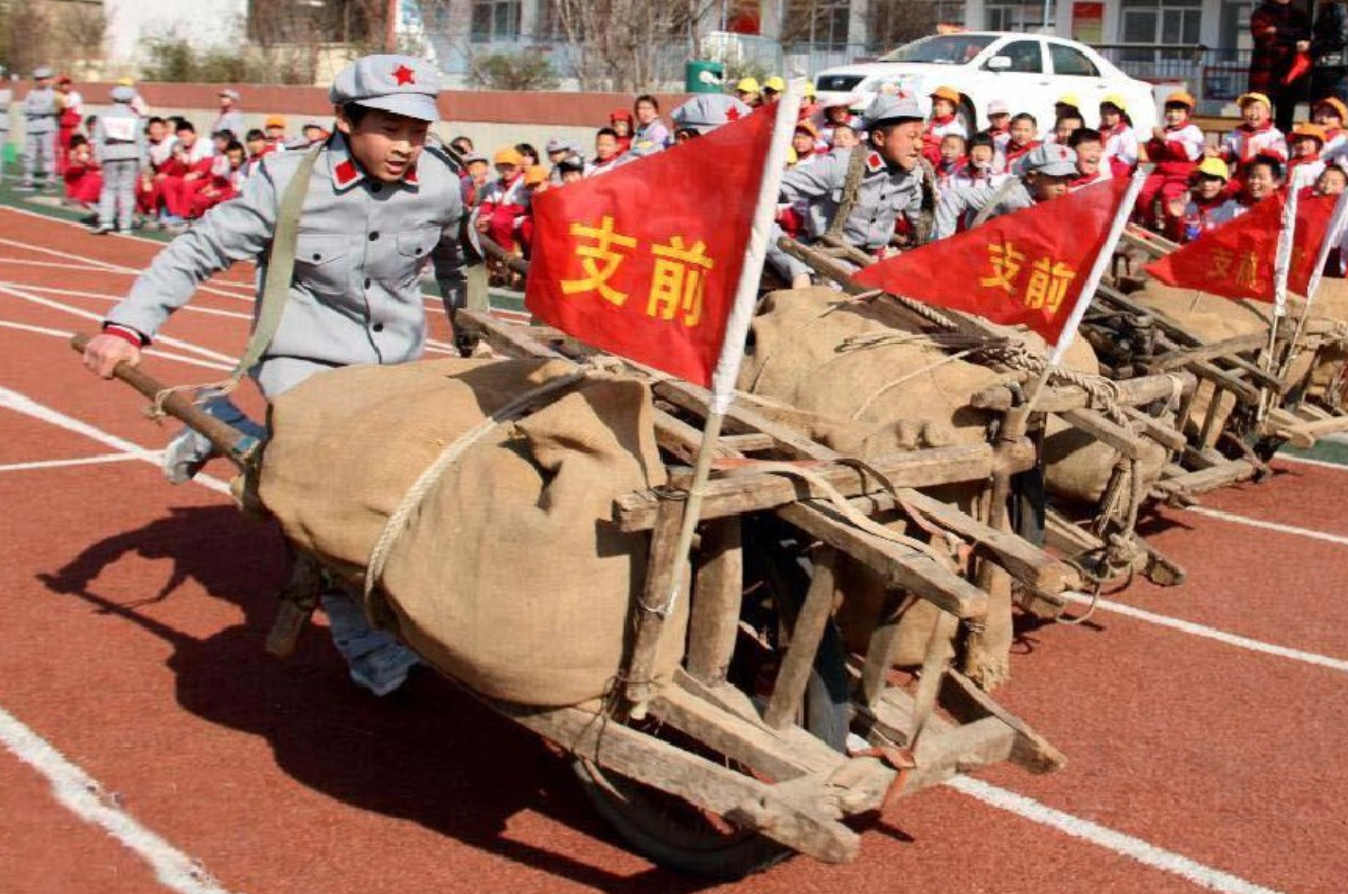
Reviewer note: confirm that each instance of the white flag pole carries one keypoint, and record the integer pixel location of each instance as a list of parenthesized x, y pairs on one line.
[(1097, 272), (737, 330), (1337, 222), (1282, 264)]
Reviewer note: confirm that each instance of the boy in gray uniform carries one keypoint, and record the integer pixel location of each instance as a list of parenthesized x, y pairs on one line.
[(39, 142), (377, 208), (1045, 172), (119, 147), (890, 184)]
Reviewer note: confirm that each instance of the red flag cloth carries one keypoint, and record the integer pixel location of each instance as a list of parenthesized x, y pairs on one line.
[(643, 261), (1028, 267), (1236, 259), (1300, 65)]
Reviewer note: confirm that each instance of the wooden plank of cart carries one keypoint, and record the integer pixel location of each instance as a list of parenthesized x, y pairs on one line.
[(711, 777), (758, 782), (1270, 408)]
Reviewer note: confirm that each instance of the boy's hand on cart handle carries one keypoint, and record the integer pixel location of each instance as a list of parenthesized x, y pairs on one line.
[(103, 353)]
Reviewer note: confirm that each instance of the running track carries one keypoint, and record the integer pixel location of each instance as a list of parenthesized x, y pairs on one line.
[(149, 743)]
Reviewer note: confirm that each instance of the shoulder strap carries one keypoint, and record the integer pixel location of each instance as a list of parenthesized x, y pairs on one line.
[(1000, 195), (856, 170), (280, 266)]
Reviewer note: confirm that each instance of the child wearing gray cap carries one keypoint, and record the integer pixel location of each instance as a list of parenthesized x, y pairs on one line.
[(374, 205)]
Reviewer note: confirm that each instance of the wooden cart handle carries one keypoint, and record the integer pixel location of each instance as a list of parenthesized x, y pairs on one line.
[(233, 443)]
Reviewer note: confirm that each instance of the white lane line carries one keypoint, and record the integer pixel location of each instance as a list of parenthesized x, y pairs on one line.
[(89, 315), (149, 352), (1118, 842), (99, 296), (1304, 461), (50, 265), (13, 400), (85, 797), (1324, 536), (106, 265), (63, 463), (1212, 633)]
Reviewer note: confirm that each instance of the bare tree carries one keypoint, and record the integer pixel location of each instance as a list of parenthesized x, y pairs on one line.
[(628, 45)]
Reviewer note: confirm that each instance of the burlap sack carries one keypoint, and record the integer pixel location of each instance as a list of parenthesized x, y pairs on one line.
[(511, 577), (1214, 318), (871, 390)]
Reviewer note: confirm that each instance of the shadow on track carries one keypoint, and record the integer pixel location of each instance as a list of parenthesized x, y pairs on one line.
[(429, 753)]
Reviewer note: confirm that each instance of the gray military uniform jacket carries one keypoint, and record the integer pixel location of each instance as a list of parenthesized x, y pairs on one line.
[(118, 135), (962, 204), (6, 97), (884, 194), (356, 292), (39, 110)]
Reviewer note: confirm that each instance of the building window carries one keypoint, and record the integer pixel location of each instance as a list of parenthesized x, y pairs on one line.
[(819, 23), (1164, 22), (1027, 15), (496, 20)]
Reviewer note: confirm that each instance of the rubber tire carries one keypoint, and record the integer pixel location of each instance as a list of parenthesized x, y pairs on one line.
[(666, 843)]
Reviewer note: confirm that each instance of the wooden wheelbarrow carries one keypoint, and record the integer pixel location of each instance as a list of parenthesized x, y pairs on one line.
[(770, 739)]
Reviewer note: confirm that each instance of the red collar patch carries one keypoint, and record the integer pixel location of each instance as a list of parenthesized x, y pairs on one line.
[(345, 173), (404, 76), (410, 178), (874, 162)]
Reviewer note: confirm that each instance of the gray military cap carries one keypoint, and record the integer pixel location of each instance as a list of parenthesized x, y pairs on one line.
[(888, 107), (42, 71), (398, 84), (1050, 160), (708, 111), (231, 93), (123, 94), (558, 144)]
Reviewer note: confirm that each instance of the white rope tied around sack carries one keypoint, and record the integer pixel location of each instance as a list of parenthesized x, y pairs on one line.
[(411, 500)]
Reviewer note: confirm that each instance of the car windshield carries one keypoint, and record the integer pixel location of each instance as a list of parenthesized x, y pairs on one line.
[(943, 49)]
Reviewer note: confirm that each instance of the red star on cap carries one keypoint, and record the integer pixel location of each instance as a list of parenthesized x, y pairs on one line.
[(404, 75), (732, 114)]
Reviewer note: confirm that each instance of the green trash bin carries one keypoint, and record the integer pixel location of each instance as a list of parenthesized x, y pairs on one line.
[(693, 71)]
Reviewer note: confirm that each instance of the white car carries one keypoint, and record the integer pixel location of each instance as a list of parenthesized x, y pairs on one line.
[(1029, 71)]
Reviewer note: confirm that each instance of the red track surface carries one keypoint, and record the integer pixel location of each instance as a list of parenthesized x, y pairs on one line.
[(134, 616)]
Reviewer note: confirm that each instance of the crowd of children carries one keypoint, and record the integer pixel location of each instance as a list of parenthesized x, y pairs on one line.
[(1195, 183), (181, 174)]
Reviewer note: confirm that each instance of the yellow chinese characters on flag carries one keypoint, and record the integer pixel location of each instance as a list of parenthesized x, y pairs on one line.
[(1023, 268), (1236, 259), (643, 261)]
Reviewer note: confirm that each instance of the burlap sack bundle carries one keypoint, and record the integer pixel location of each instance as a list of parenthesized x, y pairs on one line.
[(1212, 318), (870, 390), (510, 577)]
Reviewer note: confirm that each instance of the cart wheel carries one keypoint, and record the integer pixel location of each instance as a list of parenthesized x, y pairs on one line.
[(671, 832)]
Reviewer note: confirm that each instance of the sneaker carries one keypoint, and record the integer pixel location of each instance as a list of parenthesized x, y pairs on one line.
[(102, 230), (185, 455), (384, 669), (25, 187)]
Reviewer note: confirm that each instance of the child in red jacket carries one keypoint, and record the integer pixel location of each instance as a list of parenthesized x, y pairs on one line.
[(1175, 150)]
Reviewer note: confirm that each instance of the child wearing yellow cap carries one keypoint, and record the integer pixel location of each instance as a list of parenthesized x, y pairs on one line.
[(1120, 139), (1190, 214), (1255, 135)]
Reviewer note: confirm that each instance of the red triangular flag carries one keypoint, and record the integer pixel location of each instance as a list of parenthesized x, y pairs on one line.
[(1028, 267), (1236, 259), (1300, 65), (644, 261)]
